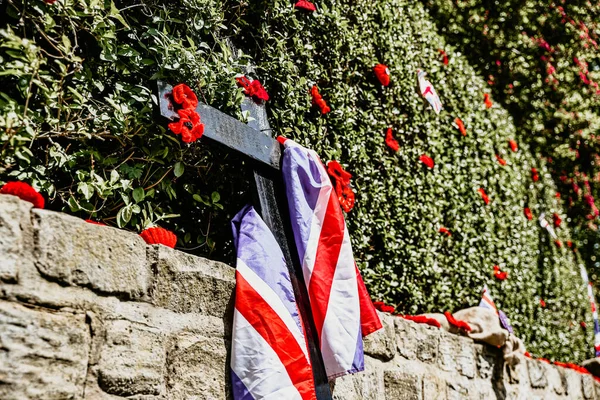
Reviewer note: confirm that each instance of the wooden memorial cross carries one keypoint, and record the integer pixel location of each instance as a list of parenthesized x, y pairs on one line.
[(255, 143)]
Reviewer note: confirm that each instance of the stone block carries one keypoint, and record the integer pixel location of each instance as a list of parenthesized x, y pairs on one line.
[(466, 357), (401, 385), (364, 386), (132, 360), (557, 381), (447, 353), (382, 344), (197, 367), (106, 260), (427, 343), (406, 338), (43, 355), (587, 386), (186, 283), (15, 234), (434, 387), (487, 360), (537, 373), (574, 384), (457, 391)]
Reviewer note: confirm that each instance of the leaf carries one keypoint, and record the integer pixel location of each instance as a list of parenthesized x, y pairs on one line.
[(178, 169), (215, 197), (138, 194)]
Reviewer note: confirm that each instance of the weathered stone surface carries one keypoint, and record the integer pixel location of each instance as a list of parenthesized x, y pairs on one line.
[(557, 381), (364, 386), (402, 386), (574, 389), (487, 359), (186, 283), (587, 387), (197, 367), (73, 252), (465, 356), (406, 338), (457, 391), (537, 373), (43, 355), (434, 388), (132, 359), (15, 231), (447, 353), (382, 344), (427, 346)]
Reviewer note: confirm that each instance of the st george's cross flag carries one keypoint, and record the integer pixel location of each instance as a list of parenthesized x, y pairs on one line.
[(340, 304), (428, 91), (269, 354)]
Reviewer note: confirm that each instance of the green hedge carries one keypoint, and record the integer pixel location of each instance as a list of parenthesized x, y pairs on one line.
[(532, 53), (76, 112)]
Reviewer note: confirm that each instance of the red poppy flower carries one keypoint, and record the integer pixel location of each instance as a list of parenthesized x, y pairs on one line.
[(422, 319), (556, 219), (528, 213), (569, 244), (484, 196), (305, 5), (25, 192), (428, 161), (381, 306), (335, 170), (345, 196), (513, 145), (318, 100), (188, 126), (542, 303), (445, 231), (557, 195), (487, 101), (500, 160), (583, 324), (444, 56), (382, 73), (159, 235), (50, 1), (342, 185), (534, 175), (184, 96), (90, 221), (253, 89), (390, 141), (544, 359), (527, 354), (500, 275), (558, 243), (461, 126), (462, 325)]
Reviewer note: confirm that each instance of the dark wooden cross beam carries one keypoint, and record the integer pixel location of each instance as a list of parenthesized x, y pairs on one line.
[(255, 142)]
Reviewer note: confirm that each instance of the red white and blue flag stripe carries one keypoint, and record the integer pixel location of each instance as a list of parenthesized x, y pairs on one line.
[(340, 304), (269, 354), (590, 293), (487, 301)]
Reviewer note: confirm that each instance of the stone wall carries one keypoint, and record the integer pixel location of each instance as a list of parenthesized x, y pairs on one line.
[(92, 312)]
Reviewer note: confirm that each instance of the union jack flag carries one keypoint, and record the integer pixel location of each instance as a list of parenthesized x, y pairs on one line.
[(340, 304), (269, 354)]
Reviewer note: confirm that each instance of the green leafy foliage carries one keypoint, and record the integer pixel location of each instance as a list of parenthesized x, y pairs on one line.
[(76, 120), (541, 60)]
